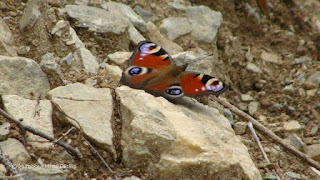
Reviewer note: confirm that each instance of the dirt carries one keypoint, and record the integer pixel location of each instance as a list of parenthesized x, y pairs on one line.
[(239, 32)]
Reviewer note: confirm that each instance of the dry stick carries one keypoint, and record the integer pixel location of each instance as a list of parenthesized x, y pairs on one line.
[(8, 164), (258, 141), (269, 133), (73, 151)]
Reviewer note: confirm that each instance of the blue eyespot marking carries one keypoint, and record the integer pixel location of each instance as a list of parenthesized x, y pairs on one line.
[(135, 71), (174, 91)]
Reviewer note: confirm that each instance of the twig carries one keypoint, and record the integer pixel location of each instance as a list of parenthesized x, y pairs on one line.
[(269, 133), (94, 151), (18, 176), (73, 151), (65, 134), (258, 141), (8, 164)]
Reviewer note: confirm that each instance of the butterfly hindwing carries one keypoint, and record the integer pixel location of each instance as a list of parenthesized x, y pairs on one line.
[(194, 84)]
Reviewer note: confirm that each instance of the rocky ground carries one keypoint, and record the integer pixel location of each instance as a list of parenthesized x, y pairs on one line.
[(271, 63)]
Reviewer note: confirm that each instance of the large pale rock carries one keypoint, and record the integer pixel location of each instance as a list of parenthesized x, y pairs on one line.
[(6, 40), (23, 77), (97, 19), (155, 36), (175, 27), (34, 113), (187, 141), (91, 107), (48, 173), (15, 151), (84, 58), (126, 12)]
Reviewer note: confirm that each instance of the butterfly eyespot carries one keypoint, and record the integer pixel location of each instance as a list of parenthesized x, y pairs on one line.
[(175, 91), (135, 71)]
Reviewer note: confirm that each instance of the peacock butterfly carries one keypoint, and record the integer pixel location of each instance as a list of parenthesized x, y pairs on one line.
[(151, 68)]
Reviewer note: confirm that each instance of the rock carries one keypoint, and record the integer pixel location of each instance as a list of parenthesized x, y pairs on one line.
[(205, 22), (114, 72), (243, 106), (155, 36), (145, 14), (315, 78), (177, 6), (292, 126), (125, 12), (37, 114), (296, 141), (301, 60), (131, 178), (15, 151), (135, 35), (119, 57), (174, 27), (60, 25), (23, 50), (314, 130), (312, 92), (288, 90), (240, 128), (4, 130), (48, 173), (49, 66), (91, 107), (23, 77), (228, 114), (246, 98), (6, 40), (189, 141), (252, 68), (253, 107), (82, 2), (313, 151), (85, 59), (3, 169), (270, 57), (187, 57), (292, 175), (31, 14), (97, 19)]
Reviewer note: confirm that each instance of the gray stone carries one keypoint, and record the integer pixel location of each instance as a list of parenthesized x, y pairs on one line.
[(253, 107), (296, 141), (81, 2), (240, 128), (23, 77), (50, 67), (228, 114), (119, 57), (91, 107), (47, 173), (61, 24), (145, 14), (155, 36), (301, 60), (243, 106), (85, 59), (292, 175), (253, 67), (31, 14), (204, 22), (135, 35), (187, 57), (174, 27), (292, 126), (314, 130), (189, 141), (6, 40), (23, 50), (15, 151), (114, 72), (125, 12), (288, 89), (74, 39), (132, 178), (246, 97), (315, 78), (37, 114), (313, 151), (68, 59), (270, 57), (97, 19), (177, 6), (4, 130)]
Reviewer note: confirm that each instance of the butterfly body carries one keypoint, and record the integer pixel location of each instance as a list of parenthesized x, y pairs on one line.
[(151, 68)]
